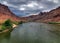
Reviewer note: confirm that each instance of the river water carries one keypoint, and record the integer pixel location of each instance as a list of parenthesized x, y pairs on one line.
[(32, 32)]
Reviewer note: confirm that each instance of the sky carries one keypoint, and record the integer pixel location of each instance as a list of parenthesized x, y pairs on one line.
[(30, 7)]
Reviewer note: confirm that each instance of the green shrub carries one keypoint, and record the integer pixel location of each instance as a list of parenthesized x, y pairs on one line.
[(20, 22), (7, 24), (15, 23), (54, 22), (3, 28)]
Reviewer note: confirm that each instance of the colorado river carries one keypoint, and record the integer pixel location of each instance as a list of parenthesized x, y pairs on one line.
[(32, 33)]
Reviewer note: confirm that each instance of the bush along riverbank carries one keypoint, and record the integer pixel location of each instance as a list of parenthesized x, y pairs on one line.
[(53, 22), (8, 25)]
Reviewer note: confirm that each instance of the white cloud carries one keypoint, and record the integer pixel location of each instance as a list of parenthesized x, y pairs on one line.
[(32, 4), (6, 3), (55, 1), (32, 14), (22, 9), (49, 0), (45, 10), (41, 7)]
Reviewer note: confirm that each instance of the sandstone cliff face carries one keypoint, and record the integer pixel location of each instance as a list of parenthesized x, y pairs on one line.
[(5, 14), (51, 16)]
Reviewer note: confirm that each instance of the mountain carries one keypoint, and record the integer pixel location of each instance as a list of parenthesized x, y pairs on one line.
[(5, 14), (51, 16)]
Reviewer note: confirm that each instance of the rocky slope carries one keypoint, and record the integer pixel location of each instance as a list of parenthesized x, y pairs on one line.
[(51, 16), (5, 14)]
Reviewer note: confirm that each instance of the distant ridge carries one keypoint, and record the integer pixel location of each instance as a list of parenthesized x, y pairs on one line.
[(51, 16)]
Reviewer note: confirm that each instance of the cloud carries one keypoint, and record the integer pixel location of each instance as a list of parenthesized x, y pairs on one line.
[(32, 14), (22, 9), (54, 1), (31, 6), (6, 3)]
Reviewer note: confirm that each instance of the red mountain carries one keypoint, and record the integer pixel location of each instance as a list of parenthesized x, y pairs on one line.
[(51, 16), (5, 14)]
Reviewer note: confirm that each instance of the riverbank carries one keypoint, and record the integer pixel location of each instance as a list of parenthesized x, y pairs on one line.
[(6, 31), (9, 29)]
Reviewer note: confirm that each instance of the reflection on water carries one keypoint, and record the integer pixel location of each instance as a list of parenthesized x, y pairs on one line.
[(4, 38), (32, 33)]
